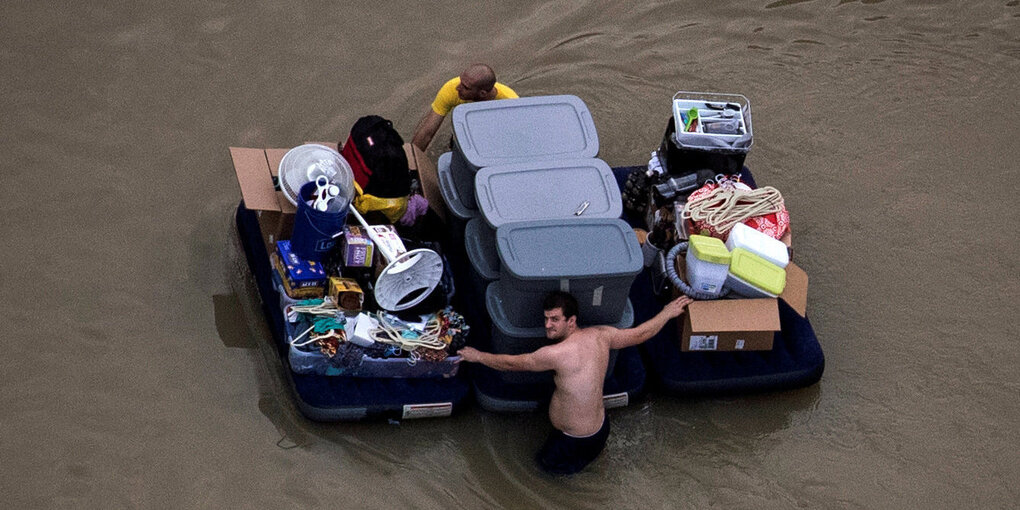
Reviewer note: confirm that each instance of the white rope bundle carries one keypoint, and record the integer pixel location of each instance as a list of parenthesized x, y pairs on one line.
[(388, 334), (725, 206)]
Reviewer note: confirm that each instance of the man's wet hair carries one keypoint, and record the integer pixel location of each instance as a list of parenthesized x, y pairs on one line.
[(562, 300)]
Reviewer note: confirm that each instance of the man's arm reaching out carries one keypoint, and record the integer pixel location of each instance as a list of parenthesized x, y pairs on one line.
[(426, 129), (539, 361), (621, 338)]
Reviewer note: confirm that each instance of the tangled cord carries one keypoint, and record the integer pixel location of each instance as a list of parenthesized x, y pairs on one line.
[(327, 323), (725, 206), (406, 338)]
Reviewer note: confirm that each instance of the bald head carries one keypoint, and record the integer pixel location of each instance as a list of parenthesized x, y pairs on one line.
[(477, 83)]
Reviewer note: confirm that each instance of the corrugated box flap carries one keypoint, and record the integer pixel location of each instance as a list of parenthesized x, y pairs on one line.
[(255, 179), (795, 293), (274, 156), (428, 176), (331, 145), (734, 315)]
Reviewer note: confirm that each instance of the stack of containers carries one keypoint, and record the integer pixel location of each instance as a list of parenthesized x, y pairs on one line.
[(749, 263), (539, 213)]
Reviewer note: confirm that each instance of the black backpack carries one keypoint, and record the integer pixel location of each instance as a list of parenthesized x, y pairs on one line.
[(375, 152)]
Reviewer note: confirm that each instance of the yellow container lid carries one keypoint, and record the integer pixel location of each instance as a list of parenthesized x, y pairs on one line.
[(708, 249), (757, 271)]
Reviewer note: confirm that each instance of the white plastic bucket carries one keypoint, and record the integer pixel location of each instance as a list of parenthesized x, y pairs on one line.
[(707, 264)]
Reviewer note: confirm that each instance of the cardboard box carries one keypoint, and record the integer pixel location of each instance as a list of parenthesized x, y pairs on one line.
[(356, 249), (294, 293), (346, 293), (739, 324), (795, 293), (787, 239), (256, 171), (428, 176), (730, 325), (299, 273)]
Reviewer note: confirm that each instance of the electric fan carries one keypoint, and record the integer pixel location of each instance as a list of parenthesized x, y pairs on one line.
[(305, 163)]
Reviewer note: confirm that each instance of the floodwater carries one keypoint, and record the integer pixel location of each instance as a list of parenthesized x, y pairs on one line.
[(136, 373)]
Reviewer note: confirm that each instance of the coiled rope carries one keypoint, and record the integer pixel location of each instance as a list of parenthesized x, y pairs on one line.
[(725, 206), (408, 339)]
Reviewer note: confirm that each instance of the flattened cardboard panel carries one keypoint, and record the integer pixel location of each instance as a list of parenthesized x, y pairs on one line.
[(274, 156), (795, 293), (331, 145), (253, 175)]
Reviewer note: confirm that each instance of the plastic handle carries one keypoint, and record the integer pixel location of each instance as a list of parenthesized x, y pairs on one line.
[(507, 250), (610, 182), (585, 119), (445, 180), (483, 191)]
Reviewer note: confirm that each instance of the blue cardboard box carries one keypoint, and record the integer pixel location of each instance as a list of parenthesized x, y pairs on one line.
[(299, 272)]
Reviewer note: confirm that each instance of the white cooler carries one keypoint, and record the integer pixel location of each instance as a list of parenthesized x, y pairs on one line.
[(763, 245)]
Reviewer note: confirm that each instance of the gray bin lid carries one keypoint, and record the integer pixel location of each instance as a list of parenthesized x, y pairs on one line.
[(518, 130), (584, 248), (449, 191), (554, 189)]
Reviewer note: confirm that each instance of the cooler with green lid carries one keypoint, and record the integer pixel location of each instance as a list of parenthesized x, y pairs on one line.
[(595, 260), (752, 276), (759, 243), (708, 263)]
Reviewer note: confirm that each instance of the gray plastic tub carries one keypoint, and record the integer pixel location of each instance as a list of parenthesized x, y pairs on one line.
[(459, 214), (510, 339), (452, 198), (508, 131), (565, 189), (595, 260), (480, 245)]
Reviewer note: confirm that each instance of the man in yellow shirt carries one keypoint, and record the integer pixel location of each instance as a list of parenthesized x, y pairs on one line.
[(476, 83)]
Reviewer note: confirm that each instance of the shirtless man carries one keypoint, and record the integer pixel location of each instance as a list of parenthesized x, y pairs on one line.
[(579, 358), (476, 83)]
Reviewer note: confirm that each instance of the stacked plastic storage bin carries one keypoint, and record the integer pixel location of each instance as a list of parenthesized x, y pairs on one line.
[(540, 213)]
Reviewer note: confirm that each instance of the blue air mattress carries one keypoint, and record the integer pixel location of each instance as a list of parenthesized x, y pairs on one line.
[(795, 361), (340, 398)]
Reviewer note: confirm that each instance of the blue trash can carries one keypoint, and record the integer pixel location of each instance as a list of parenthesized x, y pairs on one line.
[(314, 230)]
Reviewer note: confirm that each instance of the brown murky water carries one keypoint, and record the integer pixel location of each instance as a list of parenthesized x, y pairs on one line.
[(134, 371)]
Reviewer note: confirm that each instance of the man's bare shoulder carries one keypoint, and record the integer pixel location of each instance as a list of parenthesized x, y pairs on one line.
[(598, 331)]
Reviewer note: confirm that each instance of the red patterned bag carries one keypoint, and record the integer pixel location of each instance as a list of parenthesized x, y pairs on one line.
[(774, 224)]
